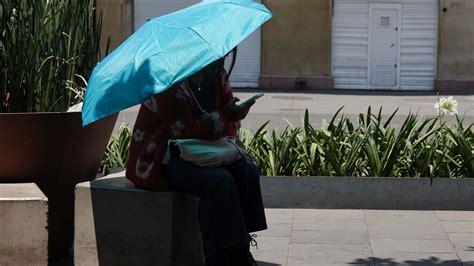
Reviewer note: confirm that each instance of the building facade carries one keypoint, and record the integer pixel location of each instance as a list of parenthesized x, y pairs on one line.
[(339, 44)]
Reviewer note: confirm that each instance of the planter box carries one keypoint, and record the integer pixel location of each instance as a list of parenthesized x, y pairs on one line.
[(56, 152), (368, 193), (51, 147), (387, 193), (23, 222), (119, 224)]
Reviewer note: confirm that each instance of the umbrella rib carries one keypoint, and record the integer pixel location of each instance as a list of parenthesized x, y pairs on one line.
[(235, 4), (204, 39), (197, 33), (108, 95)]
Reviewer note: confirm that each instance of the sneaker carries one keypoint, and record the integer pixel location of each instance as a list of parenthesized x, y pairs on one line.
[(253, 241), (252, 261), (220, 258), (239, 256)]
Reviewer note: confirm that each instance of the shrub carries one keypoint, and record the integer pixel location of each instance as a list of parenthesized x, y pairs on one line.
[(48, 49), (116, 153), (421, 147)]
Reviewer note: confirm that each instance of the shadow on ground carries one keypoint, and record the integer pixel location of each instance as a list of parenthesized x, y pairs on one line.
[(392, 262), (64, 261), (263, 263)]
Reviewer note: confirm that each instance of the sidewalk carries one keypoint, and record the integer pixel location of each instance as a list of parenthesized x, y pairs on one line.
[(275, 106), (366, 237), (278, 107)]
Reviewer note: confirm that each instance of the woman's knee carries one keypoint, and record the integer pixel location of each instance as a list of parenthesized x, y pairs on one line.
[(254, 170), (252, 173), (223, 181)]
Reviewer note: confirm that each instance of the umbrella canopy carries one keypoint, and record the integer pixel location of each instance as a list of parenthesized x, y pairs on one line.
[(166, 50)]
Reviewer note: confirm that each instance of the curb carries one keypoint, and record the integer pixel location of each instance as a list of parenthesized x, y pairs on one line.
[(368, 193)]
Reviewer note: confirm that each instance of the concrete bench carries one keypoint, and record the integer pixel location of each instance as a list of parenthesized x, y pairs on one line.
[(23, 225), (119, 224)]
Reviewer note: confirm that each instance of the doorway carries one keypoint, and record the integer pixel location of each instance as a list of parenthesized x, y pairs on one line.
[(384, 46)]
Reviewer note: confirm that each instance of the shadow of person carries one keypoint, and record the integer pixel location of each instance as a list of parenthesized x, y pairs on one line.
[(263, 263), (392, 262)]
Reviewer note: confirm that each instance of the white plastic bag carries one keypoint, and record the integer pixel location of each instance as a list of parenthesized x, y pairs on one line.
[(209, 153)]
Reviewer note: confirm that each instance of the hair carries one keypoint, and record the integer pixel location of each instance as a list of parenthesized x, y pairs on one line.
[(216, 68), (234, 56)]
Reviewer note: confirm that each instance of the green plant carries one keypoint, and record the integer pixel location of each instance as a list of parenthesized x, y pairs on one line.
[(275, 153), (462, 148), (311, 153), (420, 147), (342, 146), (116, 153), (48, 49)]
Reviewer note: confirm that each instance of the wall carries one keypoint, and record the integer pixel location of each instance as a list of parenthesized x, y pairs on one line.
[(117, 22), (456, 45), (296, 44)]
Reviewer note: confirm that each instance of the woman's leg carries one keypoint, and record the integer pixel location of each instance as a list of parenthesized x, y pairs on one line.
[(220, 217), (246, 177)]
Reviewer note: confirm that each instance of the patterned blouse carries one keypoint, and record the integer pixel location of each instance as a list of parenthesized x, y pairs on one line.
[(169, 115)]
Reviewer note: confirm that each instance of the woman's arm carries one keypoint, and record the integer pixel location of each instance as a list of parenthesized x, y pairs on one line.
[(238, 112), (174, 107)]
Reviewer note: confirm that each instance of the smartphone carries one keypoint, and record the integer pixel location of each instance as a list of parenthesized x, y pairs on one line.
[(255, 97)]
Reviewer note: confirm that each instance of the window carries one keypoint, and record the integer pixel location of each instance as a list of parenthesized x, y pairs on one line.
[(384, 21)]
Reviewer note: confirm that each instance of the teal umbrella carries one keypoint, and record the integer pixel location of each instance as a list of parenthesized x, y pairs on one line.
[(166, 50)]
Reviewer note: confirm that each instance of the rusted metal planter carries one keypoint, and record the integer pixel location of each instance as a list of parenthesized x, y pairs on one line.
[(56, 152), (53, 146)]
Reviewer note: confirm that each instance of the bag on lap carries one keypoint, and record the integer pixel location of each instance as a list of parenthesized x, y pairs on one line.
[(209, 153)]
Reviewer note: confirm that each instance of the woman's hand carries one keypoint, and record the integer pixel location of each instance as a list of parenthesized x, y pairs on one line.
[(235, 112)]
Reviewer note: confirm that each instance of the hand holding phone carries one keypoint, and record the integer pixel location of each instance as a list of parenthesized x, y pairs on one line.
[(253, 98), (235, 111)]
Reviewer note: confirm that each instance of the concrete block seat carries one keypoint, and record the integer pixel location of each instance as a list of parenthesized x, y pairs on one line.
[(23, 225), (119, 224)]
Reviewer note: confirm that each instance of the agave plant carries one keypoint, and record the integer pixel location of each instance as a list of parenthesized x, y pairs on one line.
[(116, 154), (341, 146), (48, 50), (311, 154), (276, 153), (386, 146), (462, 148), (421, 147)]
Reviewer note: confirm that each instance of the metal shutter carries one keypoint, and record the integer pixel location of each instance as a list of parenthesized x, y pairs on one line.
[(418, 43), (247, 68)]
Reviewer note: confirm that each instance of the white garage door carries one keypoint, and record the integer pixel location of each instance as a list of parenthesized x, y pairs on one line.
[(247, 67), (384, 44)]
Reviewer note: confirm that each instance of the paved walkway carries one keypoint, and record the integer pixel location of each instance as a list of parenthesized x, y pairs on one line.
[(280, 107), (366, 237)]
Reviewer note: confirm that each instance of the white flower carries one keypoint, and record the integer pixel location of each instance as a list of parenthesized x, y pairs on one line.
[(446, 106), (183, 94), (151, 148), (138, 135), (177, 128), (151, 104), (216, 120), (143, 169), (14, 12)]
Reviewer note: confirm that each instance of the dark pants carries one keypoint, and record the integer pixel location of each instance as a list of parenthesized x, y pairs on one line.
[(230, 204)]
